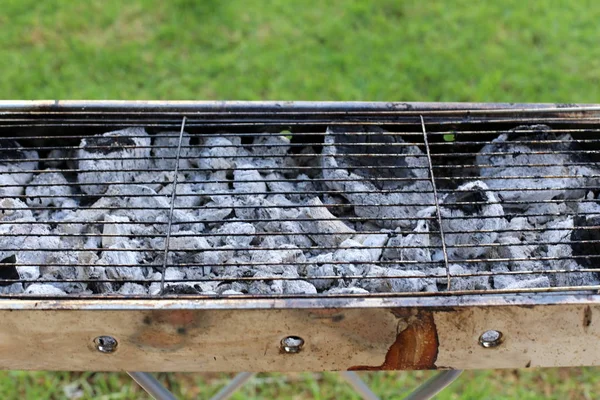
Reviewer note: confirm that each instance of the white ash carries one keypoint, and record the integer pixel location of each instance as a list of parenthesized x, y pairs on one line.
[(48, 188), (322, 227), (364, 187), (130, 149), (246, 224), (535, 188), (15, 174)]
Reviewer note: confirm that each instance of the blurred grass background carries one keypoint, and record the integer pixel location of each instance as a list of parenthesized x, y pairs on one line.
[(389, 50)]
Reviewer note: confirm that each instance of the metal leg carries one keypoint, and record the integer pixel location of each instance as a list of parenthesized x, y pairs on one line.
[(152, 386), (358, 385), (434, 385), (237, 382), (424, 392)]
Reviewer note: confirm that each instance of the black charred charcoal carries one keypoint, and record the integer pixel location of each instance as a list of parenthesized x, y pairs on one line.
[(477, 196), (8, 270), (586, 249), (107, 144)]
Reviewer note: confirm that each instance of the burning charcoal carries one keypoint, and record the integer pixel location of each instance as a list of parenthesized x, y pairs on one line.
[(15, 174), (164, 150), (355, 255), (378, 279), (111, 157), (40, 289), (325, 229), (53, 160), (231, 293), (219, 208), (267, 285), (514, 159), (248, 180), (345, 160), (298, 287), (59, 189)]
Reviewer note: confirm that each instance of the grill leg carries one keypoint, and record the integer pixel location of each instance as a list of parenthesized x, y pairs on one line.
[(237, 382), (153, 387), (358, 385), (434, 385)]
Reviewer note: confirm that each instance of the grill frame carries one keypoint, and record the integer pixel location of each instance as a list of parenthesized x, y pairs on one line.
[(342, 332)]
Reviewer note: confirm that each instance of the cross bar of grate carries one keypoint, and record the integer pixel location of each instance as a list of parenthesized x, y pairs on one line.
[(172, 207), (437, 204)]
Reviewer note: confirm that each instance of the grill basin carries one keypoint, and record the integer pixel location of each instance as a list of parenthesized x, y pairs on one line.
[(407, 218)]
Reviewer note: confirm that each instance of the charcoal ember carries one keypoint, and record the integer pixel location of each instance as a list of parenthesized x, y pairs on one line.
[(348, 290), (218, 153), (129, 288), (182, 288), (504, 158), (55, 193), (164, 150), (415, 246), (318, 272), (15, 288), (348, 168), (298, 287), (374, 242), (266, 284), (217, 209), (285, 254), (238, 287), (236, 234), (324, 228), (187, 195), (29, 243), (545, 212), (112, 157), (57, 158), (41, 289), (458, 282), (115, 230), (127, 260), (231, 292), (16, 166), (269, 151), (352, 257), (67, 266), (378, 280)]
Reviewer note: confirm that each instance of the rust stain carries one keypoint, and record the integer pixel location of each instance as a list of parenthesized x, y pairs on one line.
[(587, 317), (167, 330), (415, 347)]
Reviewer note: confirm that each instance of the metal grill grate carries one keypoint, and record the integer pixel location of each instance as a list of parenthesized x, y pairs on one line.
[(461, 211)]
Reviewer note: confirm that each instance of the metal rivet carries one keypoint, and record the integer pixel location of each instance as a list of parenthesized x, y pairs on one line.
[(106, 344), (292, 344), (491, 338)]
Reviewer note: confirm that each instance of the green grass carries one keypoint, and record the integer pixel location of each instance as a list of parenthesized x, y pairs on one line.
[(563, 384), (411, 50), (389, 50)]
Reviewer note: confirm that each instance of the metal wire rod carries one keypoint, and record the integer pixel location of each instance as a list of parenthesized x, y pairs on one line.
[(437, 206), (434, 385), (234, 385), (170, 221), (152, 386), (358, 385)]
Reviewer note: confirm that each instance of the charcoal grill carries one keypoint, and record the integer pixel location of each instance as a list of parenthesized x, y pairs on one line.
[(451, 328)]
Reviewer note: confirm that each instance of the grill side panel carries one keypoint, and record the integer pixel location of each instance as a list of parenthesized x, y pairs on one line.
[(387, 338)]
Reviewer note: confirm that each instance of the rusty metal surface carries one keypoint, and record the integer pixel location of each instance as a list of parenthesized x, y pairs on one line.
[(389, 338)]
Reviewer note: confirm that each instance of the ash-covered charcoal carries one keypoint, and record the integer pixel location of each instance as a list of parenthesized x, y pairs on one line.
[(17, 165), (49, 188), (112, 157), (384, 177), (261, 216), (531, 172), (164, 151), (471, 219)]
